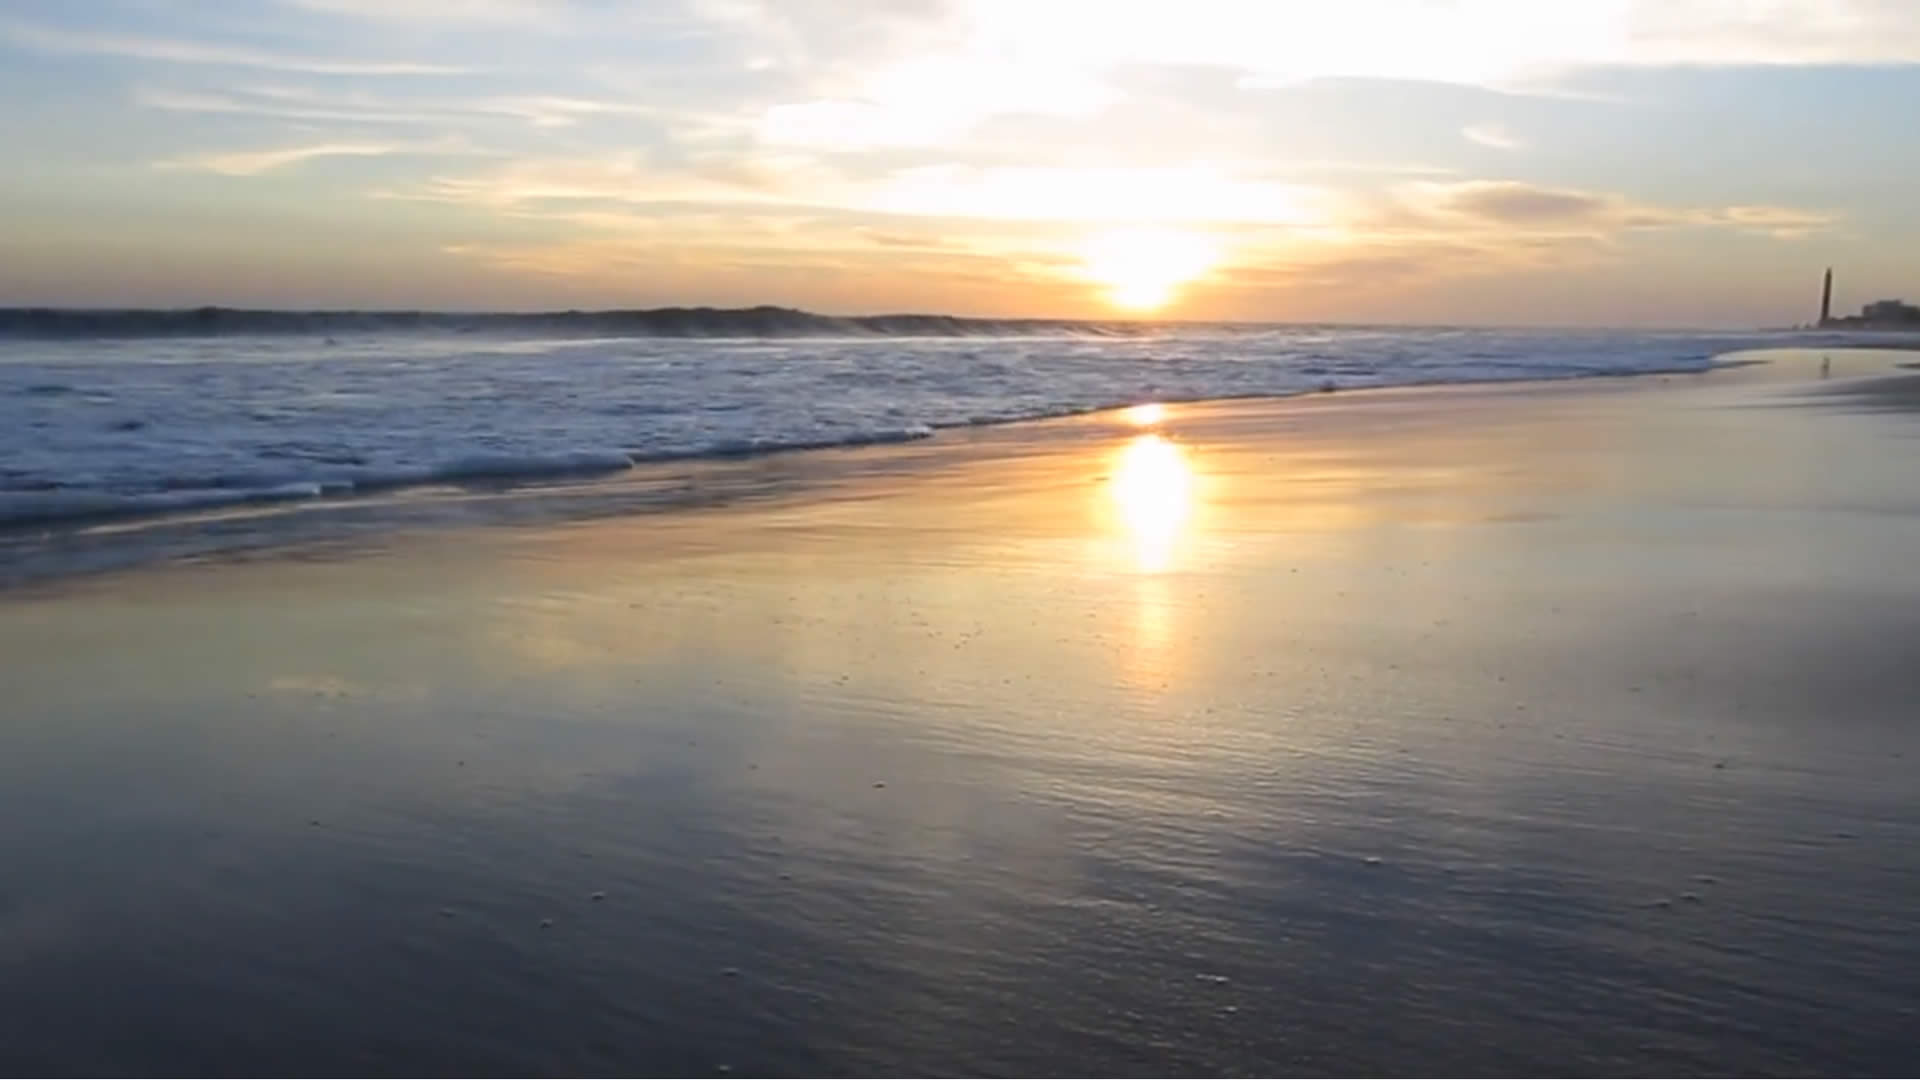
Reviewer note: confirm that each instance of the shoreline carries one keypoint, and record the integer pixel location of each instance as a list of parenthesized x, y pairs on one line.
[(42, 555), (101, 430), (52, 509), (642, 484)]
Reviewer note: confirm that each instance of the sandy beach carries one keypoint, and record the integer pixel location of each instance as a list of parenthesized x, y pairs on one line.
[(1548, 727)]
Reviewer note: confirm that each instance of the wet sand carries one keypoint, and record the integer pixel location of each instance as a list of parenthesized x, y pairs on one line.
[(1561, 728)]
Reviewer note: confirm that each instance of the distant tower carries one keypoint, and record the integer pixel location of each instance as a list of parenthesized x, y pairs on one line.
[(1826, 298)]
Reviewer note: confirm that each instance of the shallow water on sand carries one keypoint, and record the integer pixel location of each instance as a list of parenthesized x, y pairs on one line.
[(1488, 731)]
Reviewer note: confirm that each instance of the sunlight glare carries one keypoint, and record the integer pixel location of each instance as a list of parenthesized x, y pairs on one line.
[(1152, 487), (1147, 414), (1142, 269)]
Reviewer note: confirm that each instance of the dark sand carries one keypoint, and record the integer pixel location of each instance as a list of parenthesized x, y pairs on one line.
[(1894, 392), (1550, 728)]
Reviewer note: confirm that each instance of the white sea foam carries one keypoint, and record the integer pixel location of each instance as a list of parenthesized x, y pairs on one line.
[(114, 426)]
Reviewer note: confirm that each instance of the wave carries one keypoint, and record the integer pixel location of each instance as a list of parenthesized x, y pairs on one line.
[(183, 494), (34, 507), (672, 322), (95, 429)]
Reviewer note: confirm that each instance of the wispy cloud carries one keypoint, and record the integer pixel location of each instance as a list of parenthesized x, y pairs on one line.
[(1491, 135), (200, 101), (1513, 207), (1178, 195), (302, 103), (449, 11), (549, 110), (1469, 41), (601, 218), (540, 110), (1523, 205), (1017, 55), (171, 50), (1329, 167), (256, 162), (1187, 196)]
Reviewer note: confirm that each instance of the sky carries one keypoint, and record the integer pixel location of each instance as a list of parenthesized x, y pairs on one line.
[(1575, 162)]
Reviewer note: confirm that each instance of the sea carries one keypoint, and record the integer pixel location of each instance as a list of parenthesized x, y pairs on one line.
[(131, 413)]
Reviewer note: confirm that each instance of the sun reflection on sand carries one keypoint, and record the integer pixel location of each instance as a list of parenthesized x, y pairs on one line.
[(1152, 488)]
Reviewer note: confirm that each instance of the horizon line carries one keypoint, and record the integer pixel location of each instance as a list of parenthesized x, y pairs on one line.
[(1131, 321)]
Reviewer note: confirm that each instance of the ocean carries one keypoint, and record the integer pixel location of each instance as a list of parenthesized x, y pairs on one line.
[(132, 413)]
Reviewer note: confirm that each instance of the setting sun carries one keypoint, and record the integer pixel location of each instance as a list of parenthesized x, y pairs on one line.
[(1142, 269)]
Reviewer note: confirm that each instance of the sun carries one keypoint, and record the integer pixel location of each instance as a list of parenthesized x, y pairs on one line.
[(1142, 269)]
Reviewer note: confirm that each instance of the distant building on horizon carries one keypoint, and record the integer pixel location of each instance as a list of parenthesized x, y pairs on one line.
[(1880, 314), (1890, 311)]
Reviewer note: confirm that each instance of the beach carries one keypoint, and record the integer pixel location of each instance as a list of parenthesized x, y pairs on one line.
[(1558, 727)]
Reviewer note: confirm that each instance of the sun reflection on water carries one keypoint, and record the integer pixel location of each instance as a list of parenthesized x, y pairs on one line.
[(1146, 415), (1152, 488)]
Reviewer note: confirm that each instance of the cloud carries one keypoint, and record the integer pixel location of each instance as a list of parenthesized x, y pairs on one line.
[(1182, 194), (1721, 33), (446, 11), (918, 241), (1778, 220), (917, 74), (549, 110), (1510, 202), (256, 162), (918, 102), (908, 73), (1516, 207), (822, 266), (169, 50), (197, 101), (1487, 42), (300, 103), (620, 179), (1196, 196), (1363, 266), (848, 125), (837, 241), (540, 110), (1069, 198), (1491, 135), (1336, 167)]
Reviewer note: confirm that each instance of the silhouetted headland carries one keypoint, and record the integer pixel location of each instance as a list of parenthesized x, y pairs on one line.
[(689, 322)]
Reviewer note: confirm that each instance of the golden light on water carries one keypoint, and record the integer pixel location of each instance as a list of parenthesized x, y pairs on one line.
[(1142, 269), (1146, 415), (1152, 490)]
